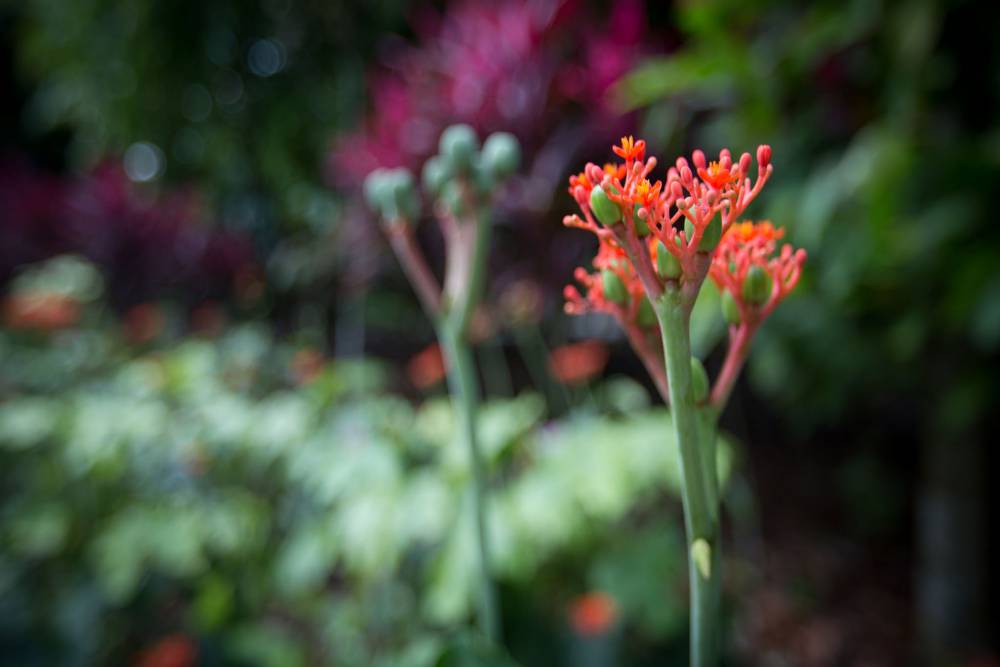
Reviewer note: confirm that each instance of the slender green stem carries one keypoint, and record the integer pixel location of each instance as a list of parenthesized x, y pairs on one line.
[(463, 385), (698, 487), (464, 389)]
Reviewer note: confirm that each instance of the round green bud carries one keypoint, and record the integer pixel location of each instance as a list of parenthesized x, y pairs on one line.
[(730, 310), (699, 381), (614, 288), (501, 154), (757, 285), (377, 190), (458, 147), (646, 315), (434, 175), (667, 265), (607, 211), (453, 197), (709, 238), (482, 178), (405, 202), (641, 226), (712, 235)]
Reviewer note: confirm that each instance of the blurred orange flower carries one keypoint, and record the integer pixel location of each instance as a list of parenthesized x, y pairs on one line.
[(577, 363), (593, 614), (142, 323), (208, 319), (43, 311), (306, 365), (426, 368), (171, 651)]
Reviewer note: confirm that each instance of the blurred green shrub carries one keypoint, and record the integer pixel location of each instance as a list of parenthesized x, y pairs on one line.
[(213, 487), (884, 148)]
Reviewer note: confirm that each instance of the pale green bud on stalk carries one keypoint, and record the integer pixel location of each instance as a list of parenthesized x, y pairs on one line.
[(701, 554), (607, 211), (376, 189), (641, 226), (614, 288), (757, 285), (434, 175), (667, 265), (458, 147), (453, 198), (404, 194), (710, 237), (501, 155), (699, 381)]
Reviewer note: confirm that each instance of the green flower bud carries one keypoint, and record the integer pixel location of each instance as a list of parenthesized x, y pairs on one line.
[(701, 554), (405, 202), (641, 226), (482, 177), (614, 288), (646, 315), (452, 196), (712, 236), (757, 285), (607, 211), (434, 175), (377, 190), (667, 265), (501, 154), (709, 238), (699, 381), (730, 310), (458, 146)]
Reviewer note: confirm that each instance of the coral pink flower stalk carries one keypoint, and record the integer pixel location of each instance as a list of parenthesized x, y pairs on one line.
[(747, 246)]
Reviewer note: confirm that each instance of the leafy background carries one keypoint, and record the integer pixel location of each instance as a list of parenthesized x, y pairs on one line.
[(220, 458)]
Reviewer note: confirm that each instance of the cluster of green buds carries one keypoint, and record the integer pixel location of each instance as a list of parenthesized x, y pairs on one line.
[(460, 177)]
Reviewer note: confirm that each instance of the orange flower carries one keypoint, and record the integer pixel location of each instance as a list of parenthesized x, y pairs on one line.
[(42, 311), (717, 175), (577, 363), (426, 368), (208, 319), (173, 651), (747, 245), (615, 170), (306, 365), (630, 149), (143, 323), (747, 230), (593, 614)]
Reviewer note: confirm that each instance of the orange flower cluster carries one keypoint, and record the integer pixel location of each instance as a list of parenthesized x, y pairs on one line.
[(611, 258), (688, 211), (749, 247), (658, 235)]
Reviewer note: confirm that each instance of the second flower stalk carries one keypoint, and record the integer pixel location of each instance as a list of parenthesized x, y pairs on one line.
[(459, 182)]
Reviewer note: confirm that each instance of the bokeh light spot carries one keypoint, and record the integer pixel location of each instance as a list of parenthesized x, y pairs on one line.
[(144, 161)]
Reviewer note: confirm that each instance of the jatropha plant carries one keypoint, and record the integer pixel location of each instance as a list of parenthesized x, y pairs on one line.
[(460, 182), (658, 242)]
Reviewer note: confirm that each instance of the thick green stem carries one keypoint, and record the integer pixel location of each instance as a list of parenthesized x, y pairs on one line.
[(464, 389), (463, 385), (698, 486)]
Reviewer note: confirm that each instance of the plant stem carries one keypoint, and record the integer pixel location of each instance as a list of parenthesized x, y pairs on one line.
[(700, 512), (464, 389)]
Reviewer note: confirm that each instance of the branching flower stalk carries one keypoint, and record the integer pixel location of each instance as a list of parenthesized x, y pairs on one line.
[(460, 182), (658, 242)]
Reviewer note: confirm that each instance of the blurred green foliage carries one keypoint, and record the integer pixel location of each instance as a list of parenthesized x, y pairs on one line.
[(884, 152), (204, 486), (239, 97)]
